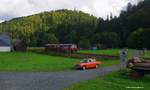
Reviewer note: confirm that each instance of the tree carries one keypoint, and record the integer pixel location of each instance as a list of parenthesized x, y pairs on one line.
[(46, 38), (84, 43), (71, 37), (139, 38), (109, 39), (51, 39)]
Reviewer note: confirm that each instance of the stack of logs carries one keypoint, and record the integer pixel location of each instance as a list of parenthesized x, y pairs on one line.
[(137, 62)]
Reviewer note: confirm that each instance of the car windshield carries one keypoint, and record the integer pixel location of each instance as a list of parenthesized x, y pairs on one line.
[(83, 61)]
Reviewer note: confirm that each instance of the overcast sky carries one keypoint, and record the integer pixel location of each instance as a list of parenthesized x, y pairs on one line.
[(101, 8)]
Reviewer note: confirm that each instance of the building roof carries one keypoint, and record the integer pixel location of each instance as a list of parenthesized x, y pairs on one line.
[(5, 39)]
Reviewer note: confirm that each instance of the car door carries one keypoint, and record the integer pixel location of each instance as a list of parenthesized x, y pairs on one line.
[(90, 64), (93, 64)]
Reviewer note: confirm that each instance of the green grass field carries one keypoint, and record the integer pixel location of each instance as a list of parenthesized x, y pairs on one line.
[(147, 55), (114, 81), (102, 52), (114, 52), (19, 61), (29, 61), (107, 62)]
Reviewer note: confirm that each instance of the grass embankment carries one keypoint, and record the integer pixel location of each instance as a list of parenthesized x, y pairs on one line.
[(113, 52), (114, 81), (147, 55), (28, 61), (107, 62), (35, 49)]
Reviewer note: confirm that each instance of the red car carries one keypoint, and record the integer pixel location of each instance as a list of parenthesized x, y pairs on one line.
[(87, 64)]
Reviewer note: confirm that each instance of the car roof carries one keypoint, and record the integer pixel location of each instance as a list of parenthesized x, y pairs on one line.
[(90, 59)]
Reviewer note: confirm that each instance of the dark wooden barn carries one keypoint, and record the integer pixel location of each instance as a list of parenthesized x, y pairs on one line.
[(19, 45)]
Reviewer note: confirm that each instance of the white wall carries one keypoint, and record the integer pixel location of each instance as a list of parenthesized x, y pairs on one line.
[(5, 49)]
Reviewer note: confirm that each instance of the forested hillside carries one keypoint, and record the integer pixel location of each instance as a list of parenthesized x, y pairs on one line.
[(71, 26), (61, 26)]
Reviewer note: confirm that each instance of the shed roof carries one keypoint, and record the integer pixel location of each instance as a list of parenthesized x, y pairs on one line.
[(5, 39)]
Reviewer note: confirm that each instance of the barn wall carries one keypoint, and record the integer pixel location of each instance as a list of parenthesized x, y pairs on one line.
[(5, 49)]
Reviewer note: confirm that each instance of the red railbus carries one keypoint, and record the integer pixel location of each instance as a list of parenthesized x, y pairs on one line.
[(61, 47)]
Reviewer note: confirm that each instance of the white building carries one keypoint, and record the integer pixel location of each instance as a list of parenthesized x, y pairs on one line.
[(5, 42)]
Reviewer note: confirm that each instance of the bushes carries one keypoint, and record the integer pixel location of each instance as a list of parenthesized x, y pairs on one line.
[(84, 43), (100, 46), (35, 49), (107, 39), (139, 39), (44, 38)]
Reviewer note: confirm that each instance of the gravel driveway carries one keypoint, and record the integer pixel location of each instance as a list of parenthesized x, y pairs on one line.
[(49, 80)]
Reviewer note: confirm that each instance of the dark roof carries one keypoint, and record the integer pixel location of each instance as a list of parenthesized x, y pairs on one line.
[(5, 39)]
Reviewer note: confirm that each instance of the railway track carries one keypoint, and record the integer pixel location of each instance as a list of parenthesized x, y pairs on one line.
[(84, 55), (87, 55)]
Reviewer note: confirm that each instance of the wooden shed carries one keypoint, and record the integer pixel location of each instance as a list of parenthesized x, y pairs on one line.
[(19, 45)]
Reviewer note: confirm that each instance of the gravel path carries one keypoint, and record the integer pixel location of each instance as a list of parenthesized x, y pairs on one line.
[(49, 80)]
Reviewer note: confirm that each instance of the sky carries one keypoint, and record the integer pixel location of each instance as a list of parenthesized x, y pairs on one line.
[(100, 8)]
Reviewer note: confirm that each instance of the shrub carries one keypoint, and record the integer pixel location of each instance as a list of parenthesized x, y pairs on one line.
[(139, 39)]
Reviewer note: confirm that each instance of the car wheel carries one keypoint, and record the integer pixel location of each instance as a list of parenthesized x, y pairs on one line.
[(83, 67), (97, 66)]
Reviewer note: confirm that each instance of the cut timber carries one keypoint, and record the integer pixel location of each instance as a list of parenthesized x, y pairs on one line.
[(146, 65), (146, 61)]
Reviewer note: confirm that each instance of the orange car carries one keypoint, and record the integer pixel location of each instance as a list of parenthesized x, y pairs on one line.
[(88, 63)]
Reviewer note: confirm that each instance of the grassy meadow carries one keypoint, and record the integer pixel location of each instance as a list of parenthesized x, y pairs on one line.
[(147, 55), (114, 81), (114, 52), (29, 61)]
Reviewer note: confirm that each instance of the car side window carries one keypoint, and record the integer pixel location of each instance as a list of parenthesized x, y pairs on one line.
[(87, 61)]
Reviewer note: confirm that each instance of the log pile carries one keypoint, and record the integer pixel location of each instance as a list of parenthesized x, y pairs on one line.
[(137, 62)]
